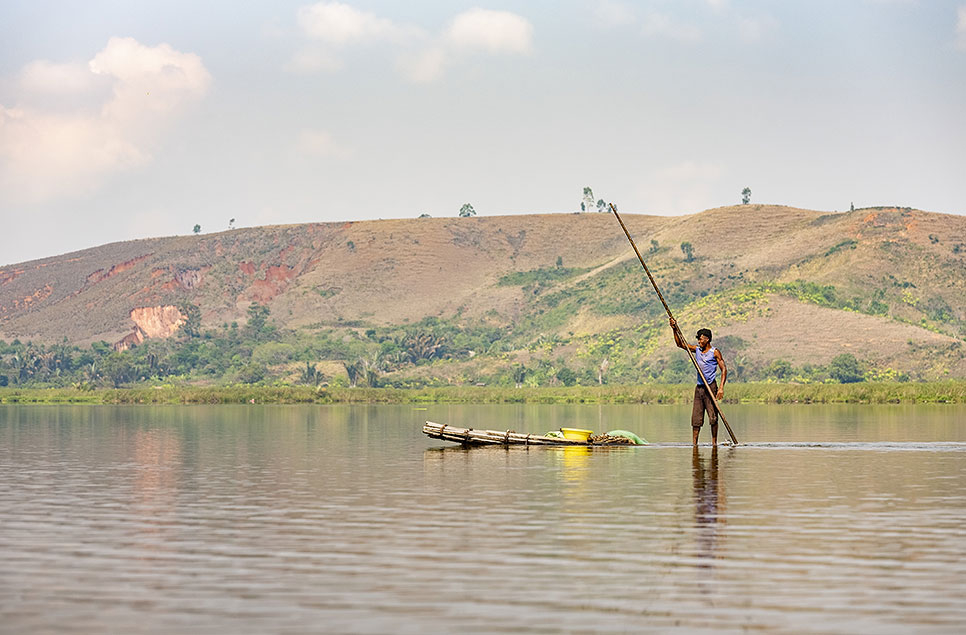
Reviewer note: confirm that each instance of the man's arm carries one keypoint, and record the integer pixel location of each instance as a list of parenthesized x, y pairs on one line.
[(677, 338), (724, 373)]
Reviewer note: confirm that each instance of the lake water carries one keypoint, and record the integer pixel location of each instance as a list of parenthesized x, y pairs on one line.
[(256, 519)]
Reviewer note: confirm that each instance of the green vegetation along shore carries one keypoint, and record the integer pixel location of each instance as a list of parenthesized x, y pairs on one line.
[(773, 393)]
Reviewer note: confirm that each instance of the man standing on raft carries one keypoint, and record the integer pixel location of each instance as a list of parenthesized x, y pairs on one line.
[(709, 361)]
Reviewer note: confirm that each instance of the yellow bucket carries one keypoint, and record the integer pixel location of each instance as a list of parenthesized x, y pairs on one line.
[(576, 434)]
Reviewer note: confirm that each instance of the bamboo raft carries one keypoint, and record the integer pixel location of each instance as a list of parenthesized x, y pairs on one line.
[(469, 436)]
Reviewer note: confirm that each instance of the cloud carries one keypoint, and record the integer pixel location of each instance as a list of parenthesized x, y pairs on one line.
[(334, 27), (476, 31), (149, 82), (490, 31), (61, 148), (339, 24), (961, 28)]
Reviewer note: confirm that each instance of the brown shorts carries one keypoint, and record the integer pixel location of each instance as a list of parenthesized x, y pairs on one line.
[(702, 403)]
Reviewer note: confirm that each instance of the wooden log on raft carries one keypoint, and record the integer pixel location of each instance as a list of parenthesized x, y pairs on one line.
[(469, 436)]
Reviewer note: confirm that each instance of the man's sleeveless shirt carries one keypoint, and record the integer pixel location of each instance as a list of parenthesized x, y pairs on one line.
[(707, 363)]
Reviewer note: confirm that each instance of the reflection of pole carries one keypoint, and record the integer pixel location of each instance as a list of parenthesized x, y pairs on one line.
[(677, 329)]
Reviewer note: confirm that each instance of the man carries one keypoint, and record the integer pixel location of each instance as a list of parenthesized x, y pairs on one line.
[(709, 361)]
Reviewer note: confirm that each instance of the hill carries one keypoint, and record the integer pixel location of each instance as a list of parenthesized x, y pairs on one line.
[(785, 290)]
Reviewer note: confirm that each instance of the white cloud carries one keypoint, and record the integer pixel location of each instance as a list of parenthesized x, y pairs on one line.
[(490, 31), (53, 152), (961, 28), (149, 82), (471, 32), (339, 24), (332, 27)]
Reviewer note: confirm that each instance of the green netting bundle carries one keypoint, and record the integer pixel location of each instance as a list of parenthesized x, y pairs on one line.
[(627, 434)]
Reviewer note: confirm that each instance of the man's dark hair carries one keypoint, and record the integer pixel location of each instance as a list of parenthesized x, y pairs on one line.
[(704, 332)]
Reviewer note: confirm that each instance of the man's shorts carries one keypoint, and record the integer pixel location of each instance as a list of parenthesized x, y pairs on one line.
[(702, 403)]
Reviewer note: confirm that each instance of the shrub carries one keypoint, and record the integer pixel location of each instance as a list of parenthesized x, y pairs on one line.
[(252, 373), (567, 377), (688, 250), (845, 369)]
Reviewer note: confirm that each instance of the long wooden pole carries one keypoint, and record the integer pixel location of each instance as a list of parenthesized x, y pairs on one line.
[(677, 329)]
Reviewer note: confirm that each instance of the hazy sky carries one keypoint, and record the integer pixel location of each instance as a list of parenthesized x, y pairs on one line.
[(123, 120)]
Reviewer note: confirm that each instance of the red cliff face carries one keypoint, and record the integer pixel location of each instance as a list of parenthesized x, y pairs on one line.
[(277, 279), (151, 322), (158, 321)]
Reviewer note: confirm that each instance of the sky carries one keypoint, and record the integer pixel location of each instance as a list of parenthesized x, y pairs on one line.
[(123, 120)]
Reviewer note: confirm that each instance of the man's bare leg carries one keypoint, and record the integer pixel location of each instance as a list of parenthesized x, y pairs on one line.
[(694, 435)]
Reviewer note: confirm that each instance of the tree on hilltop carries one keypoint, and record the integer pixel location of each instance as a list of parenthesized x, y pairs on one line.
[(467, 210), (746, 196), (587, 202)]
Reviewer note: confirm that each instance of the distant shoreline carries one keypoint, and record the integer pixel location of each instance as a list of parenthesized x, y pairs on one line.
[(763, 393)]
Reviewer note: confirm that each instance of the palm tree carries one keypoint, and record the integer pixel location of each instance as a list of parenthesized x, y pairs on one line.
[(310, 375)]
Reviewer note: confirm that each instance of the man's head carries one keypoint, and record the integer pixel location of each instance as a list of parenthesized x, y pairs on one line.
[(705, 332)]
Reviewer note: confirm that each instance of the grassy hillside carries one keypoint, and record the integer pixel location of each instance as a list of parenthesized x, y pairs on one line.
[(537, 299)]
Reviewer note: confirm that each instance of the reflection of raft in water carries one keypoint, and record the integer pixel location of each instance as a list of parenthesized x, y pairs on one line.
[(469, 436)]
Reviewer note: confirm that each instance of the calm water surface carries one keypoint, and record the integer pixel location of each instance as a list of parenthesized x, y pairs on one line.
[(347, 519)]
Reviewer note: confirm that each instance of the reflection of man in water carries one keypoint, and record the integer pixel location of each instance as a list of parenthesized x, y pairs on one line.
[(706, 501), (709, 361)]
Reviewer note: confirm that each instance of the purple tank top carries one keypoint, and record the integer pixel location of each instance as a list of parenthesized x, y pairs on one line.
[(706, 363)]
